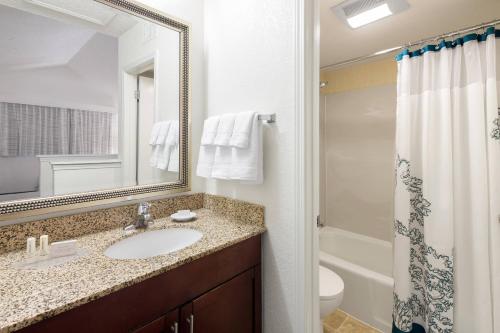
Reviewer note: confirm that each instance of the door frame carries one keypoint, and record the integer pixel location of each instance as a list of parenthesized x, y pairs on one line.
[(128, 119), (307, 165)]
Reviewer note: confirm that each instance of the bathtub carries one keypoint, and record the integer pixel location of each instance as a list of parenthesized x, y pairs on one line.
[(365, 265)]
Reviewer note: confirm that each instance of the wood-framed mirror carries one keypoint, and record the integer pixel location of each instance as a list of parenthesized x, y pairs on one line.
[(94, 104)]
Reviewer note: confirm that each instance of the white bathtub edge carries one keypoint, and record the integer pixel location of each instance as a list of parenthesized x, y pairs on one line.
[(353, 268)]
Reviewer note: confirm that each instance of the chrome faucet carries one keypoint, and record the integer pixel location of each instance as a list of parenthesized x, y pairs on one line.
[(143, 216), (143, 220)]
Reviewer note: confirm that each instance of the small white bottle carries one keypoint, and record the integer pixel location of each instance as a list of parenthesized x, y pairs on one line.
[(31, 246), (44, 245)]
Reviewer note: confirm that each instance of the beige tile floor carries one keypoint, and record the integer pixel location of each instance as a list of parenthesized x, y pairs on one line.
[(341, 322)]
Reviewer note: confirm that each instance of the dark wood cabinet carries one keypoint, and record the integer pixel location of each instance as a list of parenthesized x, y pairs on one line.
[(219, 293), (228, 308), (168, 323)]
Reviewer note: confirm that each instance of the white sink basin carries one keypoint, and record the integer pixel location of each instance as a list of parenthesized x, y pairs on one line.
[(153, 243)]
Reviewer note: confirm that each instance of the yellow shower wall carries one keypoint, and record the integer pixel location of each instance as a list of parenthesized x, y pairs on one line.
[(376, 73)]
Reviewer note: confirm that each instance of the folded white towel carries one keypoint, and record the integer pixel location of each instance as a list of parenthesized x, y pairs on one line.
[(162, 133), (154, 133), (164, 157), (173, 142), (205, 161), (247, 164), (242, 128), (173, 163), (221, 168), (210, 126), (173, 134), (225, 129), (155, 154), (165, 141), (159, 133)]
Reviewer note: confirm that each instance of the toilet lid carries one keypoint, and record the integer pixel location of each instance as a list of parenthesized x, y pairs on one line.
[(330, 284)]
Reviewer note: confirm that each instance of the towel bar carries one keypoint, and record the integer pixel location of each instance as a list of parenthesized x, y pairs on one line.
[(268, 118)]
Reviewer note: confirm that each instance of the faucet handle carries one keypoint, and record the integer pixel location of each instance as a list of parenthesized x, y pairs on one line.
[(129, 229)]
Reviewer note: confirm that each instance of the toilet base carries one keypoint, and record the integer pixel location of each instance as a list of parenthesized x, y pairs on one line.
[(329, 306)]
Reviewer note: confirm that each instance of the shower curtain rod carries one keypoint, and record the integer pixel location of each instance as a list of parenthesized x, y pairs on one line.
[(408, 45)]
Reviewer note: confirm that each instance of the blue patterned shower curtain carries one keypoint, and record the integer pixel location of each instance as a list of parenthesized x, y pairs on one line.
[(447, 195)]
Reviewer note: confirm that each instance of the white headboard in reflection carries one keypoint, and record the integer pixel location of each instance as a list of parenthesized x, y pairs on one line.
[(64, 174)]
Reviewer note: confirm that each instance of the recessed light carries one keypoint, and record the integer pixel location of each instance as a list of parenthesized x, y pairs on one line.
[(369, 16)]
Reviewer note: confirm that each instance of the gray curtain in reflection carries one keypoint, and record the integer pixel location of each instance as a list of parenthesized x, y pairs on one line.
[(29, 130), (91, 132), (9, 132)]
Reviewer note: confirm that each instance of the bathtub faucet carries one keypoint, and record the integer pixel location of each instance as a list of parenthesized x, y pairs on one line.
[(318, 222)]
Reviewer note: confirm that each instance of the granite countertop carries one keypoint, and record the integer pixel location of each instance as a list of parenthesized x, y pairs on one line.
[(31, 295)]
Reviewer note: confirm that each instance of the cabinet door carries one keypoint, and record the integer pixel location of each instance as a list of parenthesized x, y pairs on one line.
[(172, 321), (165, 324), (228, 308)]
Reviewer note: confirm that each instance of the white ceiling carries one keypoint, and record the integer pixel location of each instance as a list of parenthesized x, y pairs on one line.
[(84, 13), (43, 56), (32, 41), (424, 18)]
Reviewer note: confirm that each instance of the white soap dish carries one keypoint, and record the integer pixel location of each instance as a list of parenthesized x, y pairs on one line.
[(183, 216)]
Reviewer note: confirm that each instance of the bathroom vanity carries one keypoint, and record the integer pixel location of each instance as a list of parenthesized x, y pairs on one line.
[(216, 293), (212, 285)]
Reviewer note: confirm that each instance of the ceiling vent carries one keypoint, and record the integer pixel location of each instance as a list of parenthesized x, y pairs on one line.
[(357, 13)]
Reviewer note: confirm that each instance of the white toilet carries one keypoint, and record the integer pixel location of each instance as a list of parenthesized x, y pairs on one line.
[(331, 291)]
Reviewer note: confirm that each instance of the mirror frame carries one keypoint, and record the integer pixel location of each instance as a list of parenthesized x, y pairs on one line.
[(29, 207)]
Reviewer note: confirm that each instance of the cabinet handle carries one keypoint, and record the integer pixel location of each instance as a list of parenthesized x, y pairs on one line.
[(174, 328), (190, 320)]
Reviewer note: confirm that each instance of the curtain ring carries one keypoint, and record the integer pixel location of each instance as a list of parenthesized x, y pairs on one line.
[(454, 37)]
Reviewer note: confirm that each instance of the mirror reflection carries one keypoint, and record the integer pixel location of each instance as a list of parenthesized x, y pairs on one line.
[(89, 99)]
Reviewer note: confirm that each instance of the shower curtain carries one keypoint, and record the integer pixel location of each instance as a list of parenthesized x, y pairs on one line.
[(447, 194)]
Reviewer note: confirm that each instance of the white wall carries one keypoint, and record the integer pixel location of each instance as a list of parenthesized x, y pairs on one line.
[(191, 11), (251, 65), (147, 46), (144, 41)]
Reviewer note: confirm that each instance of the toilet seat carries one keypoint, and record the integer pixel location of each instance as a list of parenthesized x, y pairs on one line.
[(331, 285)]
